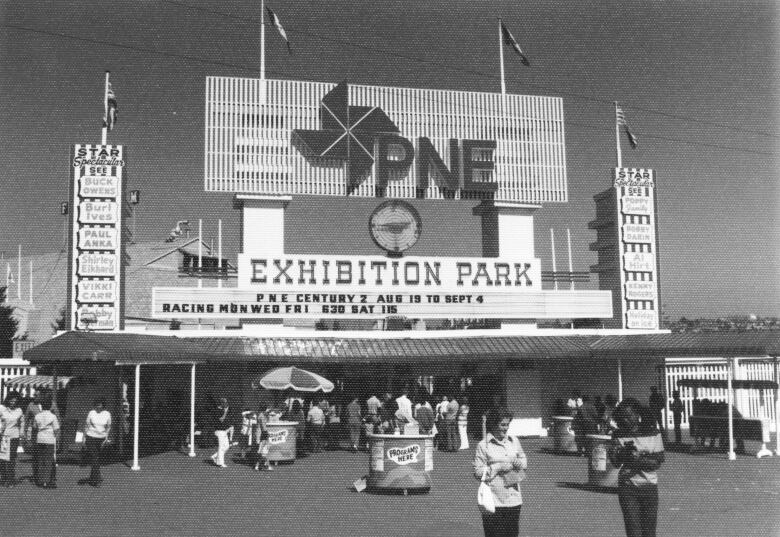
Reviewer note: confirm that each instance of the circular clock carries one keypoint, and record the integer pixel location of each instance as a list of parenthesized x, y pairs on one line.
[(395, 226)]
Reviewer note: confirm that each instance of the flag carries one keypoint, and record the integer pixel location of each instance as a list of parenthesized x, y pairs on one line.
[(509, 40), (9, 277), (621, 121), (111, 109), (279, 28), (135, 197), (64, 208)]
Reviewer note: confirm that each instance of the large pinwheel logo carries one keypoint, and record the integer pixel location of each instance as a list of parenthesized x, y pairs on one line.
[(347, 134)]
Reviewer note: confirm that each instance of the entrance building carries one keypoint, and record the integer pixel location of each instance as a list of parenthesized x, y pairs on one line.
[(377, 224)]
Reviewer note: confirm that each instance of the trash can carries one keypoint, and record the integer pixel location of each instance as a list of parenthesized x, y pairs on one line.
[(601, 473), (562, 434), (282, 438), (400, 462)]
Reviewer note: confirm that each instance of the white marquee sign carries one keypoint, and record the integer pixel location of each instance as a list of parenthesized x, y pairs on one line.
[(635, 190), (96, 252)]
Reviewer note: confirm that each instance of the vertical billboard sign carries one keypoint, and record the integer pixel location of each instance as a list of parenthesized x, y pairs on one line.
[(636, 217), (94, 288)]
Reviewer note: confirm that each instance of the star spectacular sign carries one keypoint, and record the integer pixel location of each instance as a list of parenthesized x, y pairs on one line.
[(364, 137)]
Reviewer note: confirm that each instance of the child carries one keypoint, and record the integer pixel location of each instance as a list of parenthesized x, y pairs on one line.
[(261, 435)]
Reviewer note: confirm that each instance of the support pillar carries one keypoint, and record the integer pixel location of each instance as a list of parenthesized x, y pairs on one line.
[(730, 373), (192, 411), (777, 406), (136, 416)]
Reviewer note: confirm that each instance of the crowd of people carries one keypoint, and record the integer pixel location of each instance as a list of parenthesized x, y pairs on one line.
[(708, 437), (591, 416), (636, 449), (331, 423), (37, 430)]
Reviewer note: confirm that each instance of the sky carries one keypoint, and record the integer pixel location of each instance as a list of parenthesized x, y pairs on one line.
[(698, 81)]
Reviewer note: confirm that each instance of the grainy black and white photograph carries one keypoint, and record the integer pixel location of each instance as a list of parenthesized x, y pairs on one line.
[(389, 269)]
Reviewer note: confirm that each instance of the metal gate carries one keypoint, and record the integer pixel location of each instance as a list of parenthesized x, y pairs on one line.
[(750, 403)]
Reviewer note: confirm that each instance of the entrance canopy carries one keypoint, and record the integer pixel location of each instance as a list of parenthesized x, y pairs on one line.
[(128, 349), (119, 348), (753, 343)]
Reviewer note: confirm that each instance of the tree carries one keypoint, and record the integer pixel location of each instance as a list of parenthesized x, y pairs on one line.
[(61, 322), (8, 327)]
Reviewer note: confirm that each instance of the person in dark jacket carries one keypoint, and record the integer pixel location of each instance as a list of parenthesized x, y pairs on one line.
[(657, 403), (677, 413), (585, 423), (424, 415), (638, 450)]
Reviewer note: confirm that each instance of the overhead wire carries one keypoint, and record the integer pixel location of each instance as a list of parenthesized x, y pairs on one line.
[(253, 69), (473, 71)]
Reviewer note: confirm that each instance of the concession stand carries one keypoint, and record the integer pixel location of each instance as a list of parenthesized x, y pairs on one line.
[(282, 438)]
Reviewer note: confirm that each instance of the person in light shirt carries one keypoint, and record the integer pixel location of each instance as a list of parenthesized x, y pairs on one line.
[(499, 461), (12, 419), (96, 435), (46, 431), (316, 421)]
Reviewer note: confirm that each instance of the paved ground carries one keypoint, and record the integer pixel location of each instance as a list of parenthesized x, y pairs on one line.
[(174, 495)]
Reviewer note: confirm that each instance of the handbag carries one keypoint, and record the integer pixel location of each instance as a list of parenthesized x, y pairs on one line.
[(264, 448), (485, 499)]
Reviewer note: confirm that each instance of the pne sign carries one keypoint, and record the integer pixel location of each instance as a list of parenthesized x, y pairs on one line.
[(470, 166)]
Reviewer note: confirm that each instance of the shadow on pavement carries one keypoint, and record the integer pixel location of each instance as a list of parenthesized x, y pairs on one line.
[(551, 451), (586, 487)]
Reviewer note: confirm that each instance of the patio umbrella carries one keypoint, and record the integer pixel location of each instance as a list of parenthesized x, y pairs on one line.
[(292, 378)]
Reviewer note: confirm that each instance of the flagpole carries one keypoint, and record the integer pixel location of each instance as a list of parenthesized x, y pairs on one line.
[(31, 283), (19, 275), (219, 232), (552, 248), (262, 51), (571, 266), (617, 138), (501, 56), (105, 112)]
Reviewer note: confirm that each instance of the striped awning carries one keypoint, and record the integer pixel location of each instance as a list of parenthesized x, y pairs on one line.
[(36, 381)]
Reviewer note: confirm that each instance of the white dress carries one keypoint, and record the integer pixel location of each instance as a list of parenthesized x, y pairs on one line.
[(463, 426)]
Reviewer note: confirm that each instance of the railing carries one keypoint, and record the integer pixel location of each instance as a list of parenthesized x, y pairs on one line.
[(754, 403)]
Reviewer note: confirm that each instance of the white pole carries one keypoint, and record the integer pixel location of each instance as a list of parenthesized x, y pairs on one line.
[(552, 247), (262, 40), (501, 56), (620, 379), (105, 111), (262, 53), (19, 274), (192, 411), (777, 407), (200, 252), (571, 266), (136, 417), (219, 252), (730, 373), (31, 283), (617, 139)]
